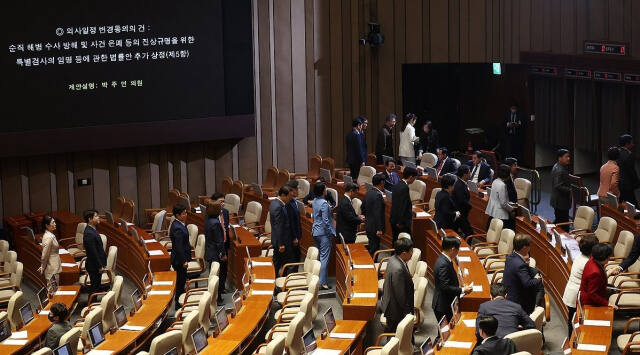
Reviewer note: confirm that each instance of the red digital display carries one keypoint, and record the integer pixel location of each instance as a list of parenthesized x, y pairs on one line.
[(594, 47)]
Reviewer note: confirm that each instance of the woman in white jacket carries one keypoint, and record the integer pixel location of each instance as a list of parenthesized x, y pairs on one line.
[(408, 138), (498, 205), (575, 278)]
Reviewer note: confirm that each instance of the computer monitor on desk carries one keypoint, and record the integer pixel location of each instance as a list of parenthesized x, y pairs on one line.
[(347, 179), (612, 200), (325, 174), (257, 189), (26, 312), (43, 297), (65, 349), (96, 336), (199, 339), (329, 320), (432, 172), (473, 187)]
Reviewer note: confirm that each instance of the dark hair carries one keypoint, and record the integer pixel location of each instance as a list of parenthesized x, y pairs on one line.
[(586, 244), (88, 214), (386, 163), (521, 241), (503, 171), (216, 195), (510, 161), (377, 179), (350, 187), (488, 324), (407, 118), (463, 169), (356, 122), (478, 154), (390, 117), (613, 153), (443, 150), (561, 152), (402, 245), (409, 172), (450, 242), (601, 251), (46, 220), (292, 184), (498, 290), (427, 123), (213, 208), (283, 191), (318, 189), (178, 209), (59, 310), (625, 139), (447, 180), (363, 118)]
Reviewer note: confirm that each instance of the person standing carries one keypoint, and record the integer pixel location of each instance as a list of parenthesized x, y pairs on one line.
[(407, 139), (401, 207), (180, 249), (446, 213), (575, 278), (373, 209), (609, 174), (363, 135), (294, 219), (384, 141), (50, 264), (460, 197), (593, 287), (561, 188), (511, 185), (356, 156), (398, 289), (322, 230), (214, 249), (281, 230), (224, 223), (428, 139), (96, 259), (499, 205), (629, 181), (347, 221), (515, 128), (447, 286)]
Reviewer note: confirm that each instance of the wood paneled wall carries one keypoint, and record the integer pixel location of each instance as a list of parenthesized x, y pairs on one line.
[(311, 78)]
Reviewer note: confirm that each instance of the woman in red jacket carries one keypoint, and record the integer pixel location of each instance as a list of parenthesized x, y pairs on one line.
[(593, 287)]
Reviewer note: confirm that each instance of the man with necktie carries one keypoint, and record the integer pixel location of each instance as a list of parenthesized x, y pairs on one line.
[(445, 165), (356, 155), (480, 170), (390, 176), (96, 258), (281, 230), (180, 249), (515, 128)]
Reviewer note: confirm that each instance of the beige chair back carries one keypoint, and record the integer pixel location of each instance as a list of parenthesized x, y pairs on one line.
[(306, 306), (214, 270), (303, 187), (312, 253), (204, 311), (232, 203), (16, 277), (112, 257), (606, 229), (212, 288), (315, 268), (267, 224), (117, 288), (158, 222), (428, 160), (421, 271), (43, 351), (495, 230), (505, 245), (432, 198), (366, 174), (193, 234), (417, 190), (357, 205), (623, 245), (391, 347), (162, 343), (314, 286), (404, 333), (333, 193), (419, 295), (72, 337), (537, 316), (92, 318), (413, 262), (4, 250), (103, 238), (189, 325), (80, 234), (293, 340), (13, 309), (108, 305), (527, 340), (11, 262), (584, 218), (523, 188), (199, 251), (404, 235), (253, 213), (275, 346)]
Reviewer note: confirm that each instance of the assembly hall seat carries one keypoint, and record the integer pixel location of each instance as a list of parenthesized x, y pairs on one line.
[(232, 202), (108, 272), (271, 180), (491, 238), (621, 250), (523, 190), (72, 337), (162, 343), (13, 310), (274, 347), (188, 326), (390, 348), (366, 175), (583, 220), (75, 246), (225, 185), (404, 334), (9, 290), (428, 160), (527, 340), (303, 187)]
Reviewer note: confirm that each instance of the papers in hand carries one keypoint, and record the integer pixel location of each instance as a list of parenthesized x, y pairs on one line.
[(162, 283), (156, 252), (342, 335), (363, 266), (159, 292), (592, 347), (64, 293), (19, 335), (364, 295), (133, 328), (457, 344), (598, 323), (68, 264), (63, 251), (469, 323)]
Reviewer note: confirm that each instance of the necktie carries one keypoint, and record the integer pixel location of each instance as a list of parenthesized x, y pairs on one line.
[(224, 229), (474, 178)]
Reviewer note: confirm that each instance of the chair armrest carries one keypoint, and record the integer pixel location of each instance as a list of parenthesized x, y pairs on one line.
[(281, 271), (416, 312), (563, 223), (372, 348), (293, 277), (291, 305), (375, 255), (630, 274), (418, 203), (484, 244), (633, 290), (72, 239), (631, 320), (493, 248), (384, 335), (490, 262), (578, 230), (95, 296), (477, 236), (384, 260)]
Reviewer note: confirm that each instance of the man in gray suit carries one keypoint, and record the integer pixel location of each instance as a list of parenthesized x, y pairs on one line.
[(397, 295), (561, 187), (510, 315)]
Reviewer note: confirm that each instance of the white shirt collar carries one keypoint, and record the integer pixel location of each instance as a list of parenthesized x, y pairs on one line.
[(447, 256), (487, 338), (347, 196)]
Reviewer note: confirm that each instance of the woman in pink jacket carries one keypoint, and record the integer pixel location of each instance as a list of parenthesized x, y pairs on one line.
[(609, 174)]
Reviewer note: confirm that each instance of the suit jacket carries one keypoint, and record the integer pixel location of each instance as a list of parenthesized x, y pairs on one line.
[(56, 332), (447, 167), (397, 295), (516, 131), (628, 176), (311, 196), (495, 346), (609, 176), (512, 193), (401, 207), (355, 153), (510, 315), (96, 257), (519, 279), (428, 141), (633, 255), (560, 187), (484, 171), (461, 197), (294, 219), (225, 217), (447, 286), (593, 287), (180, 247), (384, 143), (390, 180), (373, 210), (280, 226), (213, 239), (445, 210), (347, 221)]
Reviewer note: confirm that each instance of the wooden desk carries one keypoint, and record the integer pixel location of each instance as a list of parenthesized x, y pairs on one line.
[(29, 254), (461, 333), (38, 327), (152, 313), (624, 220), (255, 310), (596, 335), (346, 346), (66, 223), (365, 281)]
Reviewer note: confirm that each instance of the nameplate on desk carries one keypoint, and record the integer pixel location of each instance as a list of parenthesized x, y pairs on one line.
[(149, 241), (100, 352), (159, 292), (592, 347), (477, 288), (68, 264), (272, 198), (458, 344), (44, 312), (19, 342), (597, 323), (64, 293), (162, 283), (320, 351), (133, 328), (62, 251), (465, 249), (464, 259), (422, 214), (260, 263), (262, 292), (363, 266), (19, 335), (235, 225), (264, 281), (342, 335), (156, 252), (130, 224), (364, 295), (469, 323)]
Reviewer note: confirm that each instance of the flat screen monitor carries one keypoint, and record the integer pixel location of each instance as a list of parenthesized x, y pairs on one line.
[(95, 335), (120, 316), (388, 195), (455, 309), (347, 179), (329, 320), (136, 299), (543, 225), (434, 226), (473, 187), (43, 297), (426, 348), (53, 285), (64, 350), (222, 321), (631, 209), (246, 248), (257, 189), (557, 238), (325, 174), (613, 199), (26, 313), (5, 329), (199, 340), (237, 301), (309, 341), (432, 172), (443, 329), (525, 213), (569, 256), (442, 233)]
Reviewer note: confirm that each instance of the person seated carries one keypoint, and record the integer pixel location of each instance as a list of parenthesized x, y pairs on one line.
[(491, 344), (445, 165), (593, 287), (510, 315), (58, 315), (480, 170), (307, 200), (390, 176)]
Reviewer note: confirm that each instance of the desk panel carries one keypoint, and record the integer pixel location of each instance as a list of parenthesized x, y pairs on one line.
[(364, 281)]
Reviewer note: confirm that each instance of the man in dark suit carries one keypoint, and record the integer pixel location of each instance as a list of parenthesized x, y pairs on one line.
[(96, 257), (480, 170), (281, 239), (180, 249), (224, 221), (397, 295), (347, 221), (391, 178), (515, 125), (460, 197), (363, 135), (446, 212), (356, 156), (447, 287), (561, 187), (445, 165), (523, 282), (629, 181), (373, 209), (491, 344), (511, 186), (510, 315), (401, 207), (384, 141), (294, 220)]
